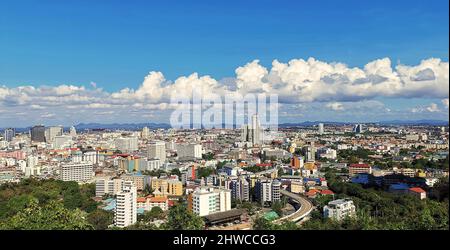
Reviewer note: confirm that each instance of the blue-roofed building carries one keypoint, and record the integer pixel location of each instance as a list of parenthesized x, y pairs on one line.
[(399, 188), (360, 179)]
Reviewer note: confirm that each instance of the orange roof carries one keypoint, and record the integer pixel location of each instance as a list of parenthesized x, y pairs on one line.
[(141, 199), (417, 190), (158, 199)]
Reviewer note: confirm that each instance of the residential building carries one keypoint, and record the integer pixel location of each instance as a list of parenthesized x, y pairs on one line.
[(339, 209), (209, 200), (125, 213), (80, 172)]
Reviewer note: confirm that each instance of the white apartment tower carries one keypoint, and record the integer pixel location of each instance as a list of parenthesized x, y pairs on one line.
[(125, 213), (252, 133), (157, 149), (80, 172), (209, 200)]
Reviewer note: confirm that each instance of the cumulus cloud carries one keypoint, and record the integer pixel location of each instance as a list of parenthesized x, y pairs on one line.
[(335, 106), (445, 102), (433, 108), (298, 82)]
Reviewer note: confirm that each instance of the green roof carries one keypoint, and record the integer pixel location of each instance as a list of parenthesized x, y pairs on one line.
[(270, 216)]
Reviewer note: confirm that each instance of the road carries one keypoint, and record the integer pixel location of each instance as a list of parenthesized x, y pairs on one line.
[(305, 207)]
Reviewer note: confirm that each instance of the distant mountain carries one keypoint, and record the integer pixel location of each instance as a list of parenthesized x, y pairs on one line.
[(138, 126), (415, 122), (127, 126)]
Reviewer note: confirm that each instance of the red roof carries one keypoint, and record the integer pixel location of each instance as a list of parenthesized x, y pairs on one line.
[(417, 190), (327, 192), (359, 165), (263, 164)]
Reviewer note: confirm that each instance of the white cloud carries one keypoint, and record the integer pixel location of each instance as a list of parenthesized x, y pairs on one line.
[(298, 82), (433, 108), (445, 102), (336, 106)]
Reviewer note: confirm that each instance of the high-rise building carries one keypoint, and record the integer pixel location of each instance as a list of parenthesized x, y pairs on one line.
[(252, 133), (190, 151), (358, 128), (61, 141), (267, 191), (80, 172), (125, 213), (209, 200), (321, 129), (126, 144), (157, 149), (297, 162), (9, 134), (52, 132), (145, 132), (72, 131), (240, 189), (38, 133)]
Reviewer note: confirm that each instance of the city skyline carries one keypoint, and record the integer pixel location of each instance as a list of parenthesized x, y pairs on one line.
[(122, 62)]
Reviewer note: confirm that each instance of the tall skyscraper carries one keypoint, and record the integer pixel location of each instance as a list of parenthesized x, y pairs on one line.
[(126, 144), (125, 213), (145, 132), (252, 133), (157, 149), (358, 128), (321, 129), (9, 134), (52, 132), (72, 131), (38, 133)]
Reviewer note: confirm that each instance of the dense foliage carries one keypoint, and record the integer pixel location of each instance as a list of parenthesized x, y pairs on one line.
[(50, 204)]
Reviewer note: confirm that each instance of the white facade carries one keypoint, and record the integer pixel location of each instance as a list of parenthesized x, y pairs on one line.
[(125, 213), (126, 144), (62, 141), (339, 209), (209, 200), (80, 172), (321, 129), (157, 149), (52, 132), (106, 185), (189, 151)]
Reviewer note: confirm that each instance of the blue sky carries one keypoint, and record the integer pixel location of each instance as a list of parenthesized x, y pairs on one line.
[(116, 43)]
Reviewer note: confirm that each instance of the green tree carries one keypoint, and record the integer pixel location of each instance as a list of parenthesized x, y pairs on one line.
[(180, 218), (100, 219), (52, 216)]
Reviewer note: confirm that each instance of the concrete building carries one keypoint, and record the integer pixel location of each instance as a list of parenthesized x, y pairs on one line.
[(359, 169), (209, 200), (126, 144), (267, 191), (52, 132), (9, 134), (320, 129), (125, 213), (157, 149), (240, 189), (252, 133), (62, 141), (37, 133), (80, 172), (191, 151), (339, 209)]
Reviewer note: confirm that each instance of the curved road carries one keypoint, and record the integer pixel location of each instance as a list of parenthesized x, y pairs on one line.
[(305, 207)]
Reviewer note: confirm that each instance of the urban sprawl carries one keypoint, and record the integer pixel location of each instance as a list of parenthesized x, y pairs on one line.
[(323, 176)]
